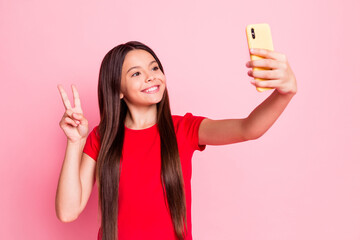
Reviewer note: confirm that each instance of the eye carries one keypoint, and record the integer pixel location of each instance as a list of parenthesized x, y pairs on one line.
[(156, 68), (134, 74)]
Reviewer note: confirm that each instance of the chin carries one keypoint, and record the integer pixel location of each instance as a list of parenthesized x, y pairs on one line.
[(158, 100)]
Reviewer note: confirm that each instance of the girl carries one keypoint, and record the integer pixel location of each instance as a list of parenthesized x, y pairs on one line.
[(138, 139)]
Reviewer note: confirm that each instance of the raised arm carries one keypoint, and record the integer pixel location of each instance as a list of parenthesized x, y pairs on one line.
[(76, 178), (280, 77)]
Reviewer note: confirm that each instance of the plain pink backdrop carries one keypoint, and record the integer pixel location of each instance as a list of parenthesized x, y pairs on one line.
[(299, 181)]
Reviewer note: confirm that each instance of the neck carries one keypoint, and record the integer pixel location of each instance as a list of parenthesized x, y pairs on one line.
[(141, 118)]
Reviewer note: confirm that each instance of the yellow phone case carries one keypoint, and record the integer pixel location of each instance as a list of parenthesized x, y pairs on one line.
[(259, 36)]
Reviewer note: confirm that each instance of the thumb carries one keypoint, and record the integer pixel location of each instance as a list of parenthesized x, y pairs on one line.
[(79, 117)]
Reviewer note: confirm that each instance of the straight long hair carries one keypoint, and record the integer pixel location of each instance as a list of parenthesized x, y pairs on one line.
[(113, 111)]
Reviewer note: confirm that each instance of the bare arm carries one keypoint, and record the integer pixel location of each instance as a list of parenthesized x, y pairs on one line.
[(77, 173), (280, 77), (227, 131), (75, 183)]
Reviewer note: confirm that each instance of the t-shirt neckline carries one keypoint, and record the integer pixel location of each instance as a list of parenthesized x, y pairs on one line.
[(140, 130)]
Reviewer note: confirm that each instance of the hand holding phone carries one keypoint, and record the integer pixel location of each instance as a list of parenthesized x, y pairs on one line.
[(259, 36)]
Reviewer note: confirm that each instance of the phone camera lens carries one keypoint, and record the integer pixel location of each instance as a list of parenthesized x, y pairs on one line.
[(253, 33)]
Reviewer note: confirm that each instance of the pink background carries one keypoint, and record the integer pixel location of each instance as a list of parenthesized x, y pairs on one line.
[(299, 181)]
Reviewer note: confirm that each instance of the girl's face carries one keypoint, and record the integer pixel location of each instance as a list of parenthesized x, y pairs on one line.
[(142, 81)]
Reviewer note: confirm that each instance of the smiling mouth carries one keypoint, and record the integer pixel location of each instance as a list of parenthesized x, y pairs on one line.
[(152, 89)]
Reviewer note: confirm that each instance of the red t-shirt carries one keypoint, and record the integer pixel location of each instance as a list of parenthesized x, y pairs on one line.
[(143, 213)]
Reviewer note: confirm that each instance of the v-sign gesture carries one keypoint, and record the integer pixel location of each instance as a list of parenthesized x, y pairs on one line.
[(73, 122)]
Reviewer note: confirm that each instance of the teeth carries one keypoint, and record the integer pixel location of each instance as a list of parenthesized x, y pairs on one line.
[(151, 89)]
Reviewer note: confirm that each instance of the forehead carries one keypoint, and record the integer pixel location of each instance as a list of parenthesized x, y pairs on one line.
[(137, 57)]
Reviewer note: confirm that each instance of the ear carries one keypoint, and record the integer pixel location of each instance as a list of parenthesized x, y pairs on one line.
[(121, 96)]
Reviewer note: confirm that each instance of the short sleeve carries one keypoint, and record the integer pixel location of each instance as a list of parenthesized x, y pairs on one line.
[(92, 144), (191, 125)]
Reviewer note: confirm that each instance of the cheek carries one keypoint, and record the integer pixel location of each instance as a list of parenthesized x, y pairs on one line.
[(134, 88), (163, 78)]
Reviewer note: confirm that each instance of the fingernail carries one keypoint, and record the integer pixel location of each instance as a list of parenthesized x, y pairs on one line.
[(77, 122), (252, 50)]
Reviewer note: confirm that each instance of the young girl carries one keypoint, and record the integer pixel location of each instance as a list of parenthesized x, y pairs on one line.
[(140, 154)]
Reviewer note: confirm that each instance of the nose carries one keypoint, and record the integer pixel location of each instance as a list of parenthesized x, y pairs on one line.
[(150, 78)]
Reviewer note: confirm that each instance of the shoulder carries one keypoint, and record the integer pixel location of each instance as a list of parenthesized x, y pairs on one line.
[(187, 128), (92, 144), (96, 130), (179, 119), (95, 133), (187, 121)]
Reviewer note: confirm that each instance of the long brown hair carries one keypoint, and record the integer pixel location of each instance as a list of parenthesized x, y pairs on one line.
[(113, 111)]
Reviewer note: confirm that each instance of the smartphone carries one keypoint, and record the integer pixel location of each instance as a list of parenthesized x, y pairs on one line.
[(259, 36)]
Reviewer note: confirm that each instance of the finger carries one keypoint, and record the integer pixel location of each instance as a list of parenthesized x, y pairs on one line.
[(265, 63), (266, 53), (79, 117), (266, 83), (69, 113), (71, 122), (76, 97), (64, 97), (265, 74)]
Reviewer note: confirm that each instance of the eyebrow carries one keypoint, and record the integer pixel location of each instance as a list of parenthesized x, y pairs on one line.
[(138, 66)]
